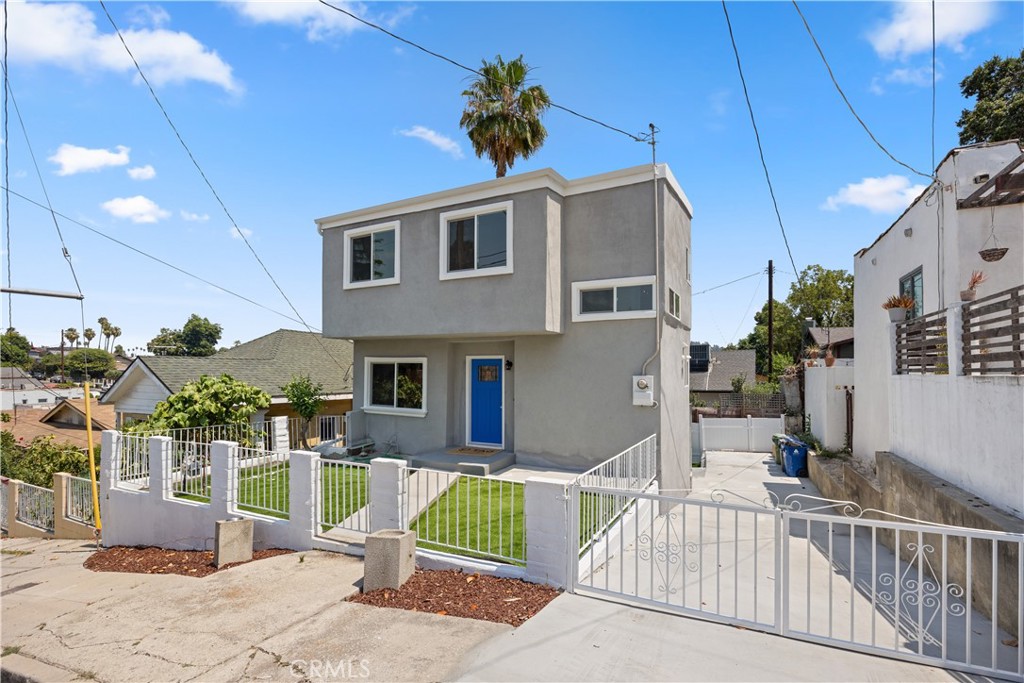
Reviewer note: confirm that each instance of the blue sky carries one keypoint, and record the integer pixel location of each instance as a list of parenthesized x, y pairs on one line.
[(294, 112)]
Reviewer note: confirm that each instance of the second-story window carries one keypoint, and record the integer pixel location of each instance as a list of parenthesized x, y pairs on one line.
[(476, 241), (372, 255), (912, 285), (619, 299)]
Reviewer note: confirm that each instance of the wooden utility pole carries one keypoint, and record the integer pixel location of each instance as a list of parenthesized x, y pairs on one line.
[(63, 380), (771, 320)]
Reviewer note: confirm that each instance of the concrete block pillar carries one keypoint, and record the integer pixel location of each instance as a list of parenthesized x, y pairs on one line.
[(110, 460), (954, 339), (546, 511), (279, 437), (387, 494), (161, 467), (60, 498), (303, 494), (223, 478)]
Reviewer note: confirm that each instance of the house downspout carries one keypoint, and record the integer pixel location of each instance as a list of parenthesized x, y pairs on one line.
[(657, 261)]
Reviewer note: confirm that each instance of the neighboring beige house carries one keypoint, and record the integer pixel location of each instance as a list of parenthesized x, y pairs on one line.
[(268, 362), (65, 422)]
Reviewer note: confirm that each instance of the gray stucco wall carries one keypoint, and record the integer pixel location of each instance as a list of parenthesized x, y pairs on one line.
[(518, 303)]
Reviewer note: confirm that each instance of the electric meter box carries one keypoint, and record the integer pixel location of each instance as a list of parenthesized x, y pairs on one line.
[(643, 390)]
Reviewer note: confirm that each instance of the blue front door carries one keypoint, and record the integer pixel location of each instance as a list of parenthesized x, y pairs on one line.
[(485, 400)]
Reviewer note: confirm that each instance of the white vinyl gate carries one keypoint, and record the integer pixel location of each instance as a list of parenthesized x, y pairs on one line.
[(812, 569), (751, 434)]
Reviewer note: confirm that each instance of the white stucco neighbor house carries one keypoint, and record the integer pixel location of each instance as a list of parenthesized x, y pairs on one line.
[(530, 315), (946, 390)]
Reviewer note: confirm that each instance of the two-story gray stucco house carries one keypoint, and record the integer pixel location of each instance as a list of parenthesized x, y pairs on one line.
[(526, 314)]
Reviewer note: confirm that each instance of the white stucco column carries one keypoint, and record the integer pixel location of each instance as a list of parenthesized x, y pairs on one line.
[(546, 514), (279, 437), (161, 467), (223, 478), (387, 488), (892, 348), (954, 339), (110, 460), (303, 495)]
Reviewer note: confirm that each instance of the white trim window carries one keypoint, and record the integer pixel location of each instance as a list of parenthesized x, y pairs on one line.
[(625, 298), (689, 265), (476, 241), (395, 386), (373, 256), (675, 304)]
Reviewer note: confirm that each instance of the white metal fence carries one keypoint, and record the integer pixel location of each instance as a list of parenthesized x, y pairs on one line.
[(320, 428), (35, 506), (467, 514), (247, 434), (133, 471), (262, 482), (190, 470), (634, 469), (939, 595), (344, 496), (78, 501)]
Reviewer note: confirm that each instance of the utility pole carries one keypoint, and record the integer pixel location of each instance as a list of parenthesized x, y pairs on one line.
[(62, 378), (771, 319)]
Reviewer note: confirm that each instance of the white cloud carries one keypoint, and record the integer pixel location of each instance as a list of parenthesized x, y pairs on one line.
[(887, 194), (66, 35), (435, 139), (237, 233), (195, 217), (919, 77), (148, 15), (317, 20), (137, 209), (146, 172), (73, 159), (909, 30)]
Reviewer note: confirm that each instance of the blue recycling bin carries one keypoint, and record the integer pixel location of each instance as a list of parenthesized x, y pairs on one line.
[(794, 457)]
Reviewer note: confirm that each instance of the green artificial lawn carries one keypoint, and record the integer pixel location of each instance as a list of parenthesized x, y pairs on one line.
[(477, 518)]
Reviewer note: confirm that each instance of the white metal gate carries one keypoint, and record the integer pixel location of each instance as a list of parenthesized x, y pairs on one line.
[(812, 569)]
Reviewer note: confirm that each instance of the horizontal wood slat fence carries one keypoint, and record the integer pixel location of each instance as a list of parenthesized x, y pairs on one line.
[(993, 332)]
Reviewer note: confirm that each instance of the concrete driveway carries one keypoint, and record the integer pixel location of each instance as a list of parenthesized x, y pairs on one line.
[(280, 619)]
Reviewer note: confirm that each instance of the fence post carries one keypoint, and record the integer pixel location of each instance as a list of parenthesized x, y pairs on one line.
[(893, 356), (955, 340), (161, 481), (387, 488), (60, 500), (223, 478), (303, 495), (110, 460), (13, 492), (279, 437), (550, 550)]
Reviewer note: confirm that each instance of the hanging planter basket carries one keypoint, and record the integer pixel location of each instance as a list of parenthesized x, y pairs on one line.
[(991, 255)]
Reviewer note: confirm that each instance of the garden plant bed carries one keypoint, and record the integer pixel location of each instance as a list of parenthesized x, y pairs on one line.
[(151, 560), (473, 596)]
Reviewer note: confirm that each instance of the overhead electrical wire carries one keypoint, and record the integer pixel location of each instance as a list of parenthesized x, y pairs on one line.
[(749, 306), (6, 179), (223, 206), (438, 55), (157, 259), (726, 284), (849, 106), (933, 84), (757, 137)]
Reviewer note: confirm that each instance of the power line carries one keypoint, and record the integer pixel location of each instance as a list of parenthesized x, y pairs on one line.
[(757, 136), (849, 106), (156, 258), (216, 196), (933, 84), (438, 55), (7, 175), (731, 282), (749, 306)]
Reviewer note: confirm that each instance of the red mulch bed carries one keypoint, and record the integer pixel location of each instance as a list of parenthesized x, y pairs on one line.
[(151, 560), (474, 596)]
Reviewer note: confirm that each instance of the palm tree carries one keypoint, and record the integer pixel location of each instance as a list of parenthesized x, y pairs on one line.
[(71, 334), (89, 335), (115, 332), (502, 114)]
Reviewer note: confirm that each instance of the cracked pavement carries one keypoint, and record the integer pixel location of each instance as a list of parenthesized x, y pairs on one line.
[(277, 619)]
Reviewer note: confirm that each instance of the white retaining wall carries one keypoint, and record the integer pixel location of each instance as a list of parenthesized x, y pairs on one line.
[(825, 402)]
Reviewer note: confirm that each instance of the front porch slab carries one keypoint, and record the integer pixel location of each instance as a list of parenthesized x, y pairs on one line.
[(480, 465)]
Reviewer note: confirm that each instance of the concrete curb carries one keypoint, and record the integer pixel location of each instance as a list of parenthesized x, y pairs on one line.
[(17, 668)]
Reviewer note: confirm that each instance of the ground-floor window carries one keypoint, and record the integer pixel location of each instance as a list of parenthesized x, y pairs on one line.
[(396, 385)]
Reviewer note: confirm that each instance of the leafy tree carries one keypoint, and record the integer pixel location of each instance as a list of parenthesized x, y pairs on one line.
[(71, 334), (119, 350), (36, 462), (998, 113), (824, 295), (97, 361), (14, 348), (198, 337), (738, 382), (89, 335), (208, 401), (788, 332), (307, 398), (48, 365), (502, 113)]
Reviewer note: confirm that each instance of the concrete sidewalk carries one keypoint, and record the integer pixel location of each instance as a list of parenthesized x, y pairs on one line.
[(280, 619)]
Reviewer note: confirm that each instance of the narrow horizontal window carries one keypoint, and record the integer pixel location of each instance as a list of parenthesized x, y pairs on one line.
[(618, 299)]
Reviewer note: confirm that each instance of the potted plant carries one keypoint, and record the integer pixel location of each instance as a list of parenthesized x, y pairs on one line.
[(812, 355), (830, 360), (971, 293), (898, 305)]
